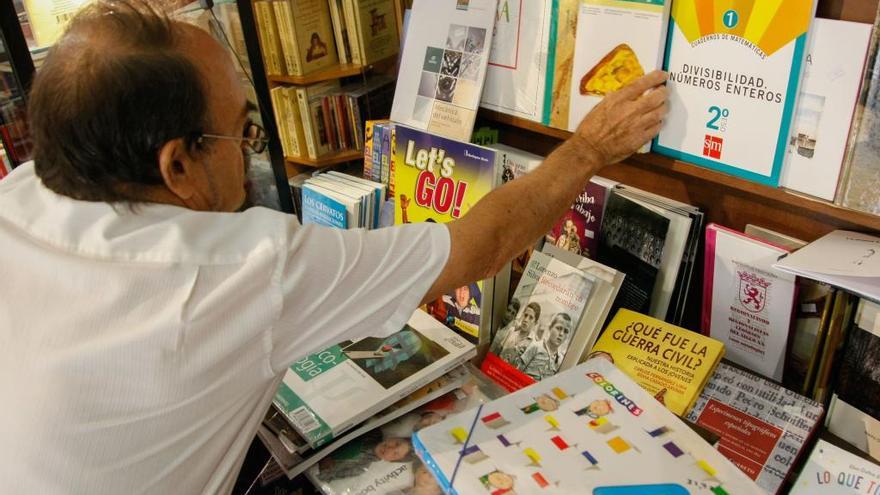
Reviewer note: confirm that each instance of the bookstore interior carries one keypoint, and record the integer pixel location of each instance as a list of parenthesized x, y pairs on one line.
[(707, 311)]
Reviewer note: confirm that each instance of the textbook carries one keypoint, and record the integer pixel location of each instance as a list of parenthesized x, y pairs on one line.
[(366, 464), (439, 180), (733, 83), (747, 304), (517, 71), (551, 297), (764, 428), (617, 42), (671, 363), (327, 393), (831, 470), (588, 430), (824, 114), (443, 66)]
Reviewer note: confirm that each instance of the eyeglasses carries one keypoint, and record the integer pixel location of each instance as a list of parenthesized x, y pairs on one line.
[(254, 137)]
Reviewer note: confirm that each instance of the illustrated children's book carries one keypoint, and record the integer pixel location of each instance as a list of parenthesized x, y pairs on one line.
[(443, 66), (831, 470), (764, 428), (549, 302), (747, 304), (516, 75), (588, 430), (327, 393), (440, 180), (734, 69), (671, 363)]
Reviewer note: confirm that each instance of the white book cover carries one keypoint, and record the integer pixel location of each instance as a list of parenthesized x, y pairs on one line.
[(617, 42), (588, 430), (443, 66), (512, 163), (734, 71), (831, 470), (517, 73), (747, 304), (829, 90), (327, 393)]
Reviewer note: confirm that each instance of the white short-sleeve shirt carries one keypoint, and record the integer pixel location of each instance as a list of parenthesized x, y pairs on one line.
[(139, 350)]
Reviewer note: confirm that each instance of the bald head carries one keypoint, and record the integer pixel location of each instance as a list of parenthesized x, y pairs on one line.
[(119, 84)]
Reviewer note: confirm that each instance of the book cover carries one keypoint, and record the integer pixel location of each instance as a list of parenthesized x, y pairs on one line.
[(443, 66), (560, 60), (861, 178), (734, 71), (617, 42), (631, 240), (320, 209), (377, 30), (588, 430), (517, 72), (551, 298), (367, 375), (764, 428), (855, 411), (309, 42), (382, 461), (747, 304), (829, 90), (578, 230), (440, 180), (671, 363), (831, 470), (270, 42)]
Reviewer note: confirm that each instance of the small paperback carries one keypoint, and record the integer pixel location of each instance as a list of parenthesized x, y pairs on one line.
[(734, 70), (443, 66), (327, 393), (669, 362), (831, 470), (764, 428), (588, 430), (578, 230), (517, 69), (747, 304), (551, 297), (439, 180)]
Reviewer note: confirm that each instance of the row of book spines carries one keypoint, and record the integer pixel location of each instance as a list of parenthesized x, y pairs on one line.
[(378, 165), (318, 125)]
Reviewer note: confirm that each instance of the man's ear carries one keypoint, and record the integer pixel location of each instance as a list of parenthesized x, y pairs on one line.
[(179, 169)]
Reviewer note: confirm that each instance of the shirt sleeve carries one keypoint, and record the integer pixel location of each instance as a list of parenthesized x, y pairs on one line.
[(348, 284)]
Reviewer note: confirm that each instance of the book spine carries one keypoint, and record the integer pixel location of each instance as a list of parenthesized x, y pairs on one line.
[(268, 30), (329, 125), (294, 127), (551, 64), (289, 41), (319, 124), (276, 96), (378, 130), (368, 150), (338, 30), (302, 98), (349, 9)]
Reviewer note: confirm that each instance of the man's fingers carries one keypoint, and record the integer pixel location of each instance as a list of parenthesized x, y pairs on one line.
[(643, 84), (654, 98), (650, 119)]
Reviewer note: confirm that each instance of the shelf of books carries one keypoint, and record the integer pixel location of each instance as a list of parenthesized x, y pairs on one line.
[(326, 160)]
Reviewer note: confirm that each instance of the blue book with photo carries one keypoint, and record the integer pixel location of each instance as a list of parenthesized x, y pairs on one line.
[(322, 210)]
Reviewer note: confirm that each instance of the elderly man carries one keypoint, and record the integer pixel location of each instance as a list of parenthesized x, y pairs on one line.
[(145, 325)]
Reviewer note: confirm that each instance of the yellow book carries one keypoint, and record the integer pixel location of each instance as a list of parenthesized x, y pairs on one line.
[(270, 42), (376, 30), (671, 363), (307, 40)]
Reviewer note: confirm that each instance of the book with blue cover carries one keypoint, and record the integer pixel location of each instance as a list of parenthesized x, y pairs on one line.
[(589, 430), (320, 209)]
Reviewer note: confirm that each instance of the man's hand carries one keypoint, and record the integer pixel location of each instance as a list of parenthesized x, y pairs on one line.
[(625, 120)]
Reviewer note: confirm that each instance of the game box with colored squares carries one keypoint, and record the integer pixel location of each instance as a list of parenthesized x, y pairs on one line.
[(443, 66), (587, 431)]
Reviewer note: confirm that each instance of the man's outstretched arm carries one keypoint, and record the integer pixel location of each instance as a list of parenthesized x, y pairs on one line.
[(515, 216)]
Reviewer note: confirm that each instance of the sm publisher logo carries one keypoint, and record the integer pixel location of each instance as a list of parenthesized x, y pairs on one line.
[(712, 146)]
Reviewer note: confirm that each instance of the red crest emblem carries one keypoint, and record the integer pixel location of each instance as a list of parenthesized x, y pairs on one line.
[(752, 291)]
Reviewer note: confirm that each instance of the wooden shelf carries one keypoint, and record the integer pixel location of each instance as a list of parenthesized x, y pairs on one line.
[(327, 160), (342, 70), (726, 199)]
